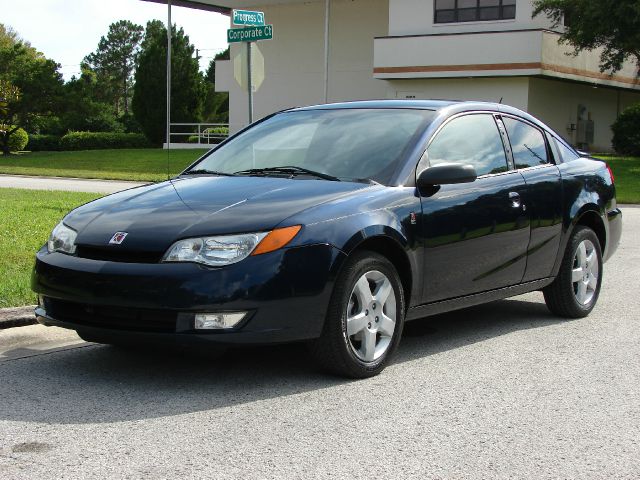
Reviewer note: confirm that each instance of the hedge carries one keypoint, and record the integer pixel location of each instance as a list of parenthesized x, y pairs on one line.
[(102, 140), (44, 143), (626, 131)]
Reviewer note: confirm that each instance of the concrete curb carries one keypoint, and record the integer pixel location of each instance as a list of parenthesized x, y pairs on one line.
[(17, 317), (83, 179)]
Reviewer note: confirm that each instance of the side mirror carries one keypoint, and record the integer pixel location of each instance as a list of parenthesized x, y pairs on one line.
[(445, 174)]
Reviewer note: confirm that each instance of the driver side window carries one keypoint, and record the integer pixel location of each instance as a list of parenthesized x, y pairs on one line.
[(473, 140)]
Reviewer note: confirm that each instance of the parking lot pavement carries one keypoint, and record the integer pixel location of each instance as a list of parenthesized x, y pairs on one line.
[(66, 184), (504, 390)]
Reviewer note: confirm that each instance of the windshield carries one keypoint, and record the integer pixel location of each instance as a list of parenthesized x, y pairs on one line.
[(348, 144)]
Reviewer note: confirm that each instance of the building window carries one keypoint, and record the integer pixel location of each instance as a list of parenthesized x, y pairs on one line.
[(452, 11)]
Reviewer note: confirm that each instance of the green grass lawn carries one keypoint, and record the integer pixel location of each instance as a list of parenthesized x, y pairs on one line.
[(145, 164), (151, 165), (27, 217), (626, 171)]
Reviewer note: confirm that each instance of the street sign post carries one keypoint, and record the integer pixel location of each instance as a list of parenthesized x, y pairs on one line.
[(247, 17), (255, 30)]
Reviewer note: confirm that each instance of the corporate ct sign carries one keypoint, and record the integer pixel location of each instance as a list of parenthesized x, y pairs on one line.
[(250, 34)]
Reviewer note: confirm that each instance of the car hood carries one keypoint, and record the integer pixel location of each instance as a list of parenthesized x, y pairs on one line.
[(155, 216)]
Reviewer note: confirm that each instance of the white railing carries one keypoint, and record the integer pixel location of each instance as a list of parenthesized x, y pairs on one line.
[(206, 133)]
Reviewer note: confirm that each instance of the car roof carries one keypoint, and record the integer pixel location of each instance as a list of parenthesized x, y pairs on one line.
[(445, 108), (414, 104)]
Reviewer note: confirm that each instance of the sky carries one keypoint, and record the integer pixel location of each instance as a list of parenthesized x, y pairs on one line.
[(66, 31)]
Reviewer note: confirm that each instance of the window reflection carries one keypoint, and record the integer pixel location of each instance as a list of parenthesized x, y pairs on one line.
[(473, 140)]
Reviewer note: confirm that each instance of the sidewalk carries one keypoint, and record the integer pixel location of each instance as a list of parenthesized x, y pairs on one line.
[(66, 184)]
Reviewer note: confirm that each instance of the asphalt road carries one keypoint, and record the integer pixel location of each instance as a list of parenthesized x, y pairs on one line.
[(68, 184), (498, 391)]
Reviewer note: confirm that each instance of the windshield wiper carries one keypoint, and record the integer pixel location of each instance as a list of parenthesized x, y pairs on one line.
[(202, 171), (287, 170)]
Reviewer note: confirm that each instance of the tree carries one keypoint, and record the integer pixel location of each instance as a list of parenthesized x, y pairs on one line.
[(613, 25), (83, 109), (216, 104), (31, 87), (114, 61), (9, 95), (149, 92)]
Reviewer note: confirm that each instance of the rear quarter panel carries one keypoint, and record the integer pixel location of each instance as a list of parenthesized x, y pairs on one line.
[(587, 187)]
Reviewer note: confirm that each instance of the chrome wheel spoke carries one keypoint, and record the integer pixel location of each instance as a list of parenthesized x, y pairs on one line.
[(582, 254), (593, 282), (386, 325), (369, 345), (363, 291), (356, 323), (382, 291), (576, 275), (582, 292)]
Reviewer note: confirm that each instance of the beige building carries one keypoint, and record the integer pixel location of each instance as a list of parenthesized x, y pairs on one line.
[(450, 49)]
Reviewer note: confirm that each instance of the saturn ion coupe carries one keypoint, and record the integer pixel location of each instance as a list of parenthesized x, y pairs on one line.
[(334, 225)]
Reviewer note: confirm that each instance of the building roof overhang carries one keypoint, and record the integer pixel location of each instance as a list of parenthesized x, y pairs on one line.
[(223, 6)]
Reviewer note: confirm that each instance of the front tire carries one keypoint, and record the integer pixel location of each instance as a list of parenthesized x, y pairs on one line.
[(365, 318), (575, 291)]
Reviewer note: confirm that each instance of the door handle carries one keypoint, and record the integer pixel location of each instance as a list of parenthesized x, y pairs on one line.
[(516, 202)]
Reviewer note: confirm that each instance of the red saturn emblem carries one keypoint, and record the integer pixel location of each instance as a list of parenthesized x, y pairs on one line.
[(118, 238)]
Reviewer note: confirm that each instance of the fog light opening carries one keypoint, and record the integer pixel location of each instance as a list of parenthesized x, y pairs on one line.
[(217, 321)]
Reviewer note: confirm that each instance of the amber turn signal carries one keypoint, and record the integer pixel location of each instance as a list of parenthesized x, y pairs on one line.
[(276, 239)]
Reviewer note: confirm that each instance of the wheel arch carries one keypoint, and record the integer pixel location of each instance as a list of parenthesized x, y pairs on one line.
[(392, 245), (589, 215)]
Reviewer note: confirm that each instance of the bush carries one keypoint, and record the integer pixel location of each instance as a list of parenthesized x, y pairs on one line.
[(626, 131), (218, 131), (102, 140), (18, 140), (210, 135), (44, 143)]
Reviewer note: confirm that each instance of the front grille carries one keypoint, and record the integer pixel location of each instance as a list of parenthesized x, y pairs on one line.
[(115, 318), (115, 254)]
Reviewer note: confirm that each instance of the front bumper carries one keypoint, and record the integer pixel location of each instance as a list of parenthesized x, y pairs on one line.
[(285, 292)]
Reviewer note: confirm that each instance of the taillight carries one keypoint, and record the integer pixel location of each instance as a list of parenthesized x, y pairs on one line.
[(610, 173)]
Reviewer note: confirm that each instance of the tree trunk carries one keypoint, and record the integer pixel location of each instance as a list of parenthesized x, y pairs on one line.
[(5, 144), (124, 92)]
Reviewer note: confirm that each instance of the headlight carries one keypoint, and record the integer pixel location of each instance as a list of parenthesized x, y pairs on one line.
[(62, 239), (228, 249)]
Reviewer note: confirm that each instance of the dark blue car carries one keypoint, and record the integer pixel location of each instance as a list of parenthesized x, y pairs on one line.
[(334, 225)]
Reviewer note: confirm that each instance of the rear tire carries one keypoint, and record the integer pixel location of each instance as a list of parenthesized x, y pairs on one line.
[(575, 291), (365, 318)]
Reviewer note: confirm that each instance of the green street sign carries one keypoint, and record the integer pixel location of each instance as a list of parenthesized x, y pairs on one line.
[(250, 34), (247, 17)]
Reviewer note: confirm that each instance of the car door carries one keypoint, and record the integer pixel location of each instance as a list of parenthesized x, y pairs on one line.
[(533, 158), (476, 234)]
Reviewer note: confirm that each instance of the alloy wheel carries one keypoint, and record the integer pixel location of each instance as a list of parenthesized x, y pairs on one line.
[(371, 316), (584, 274)]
